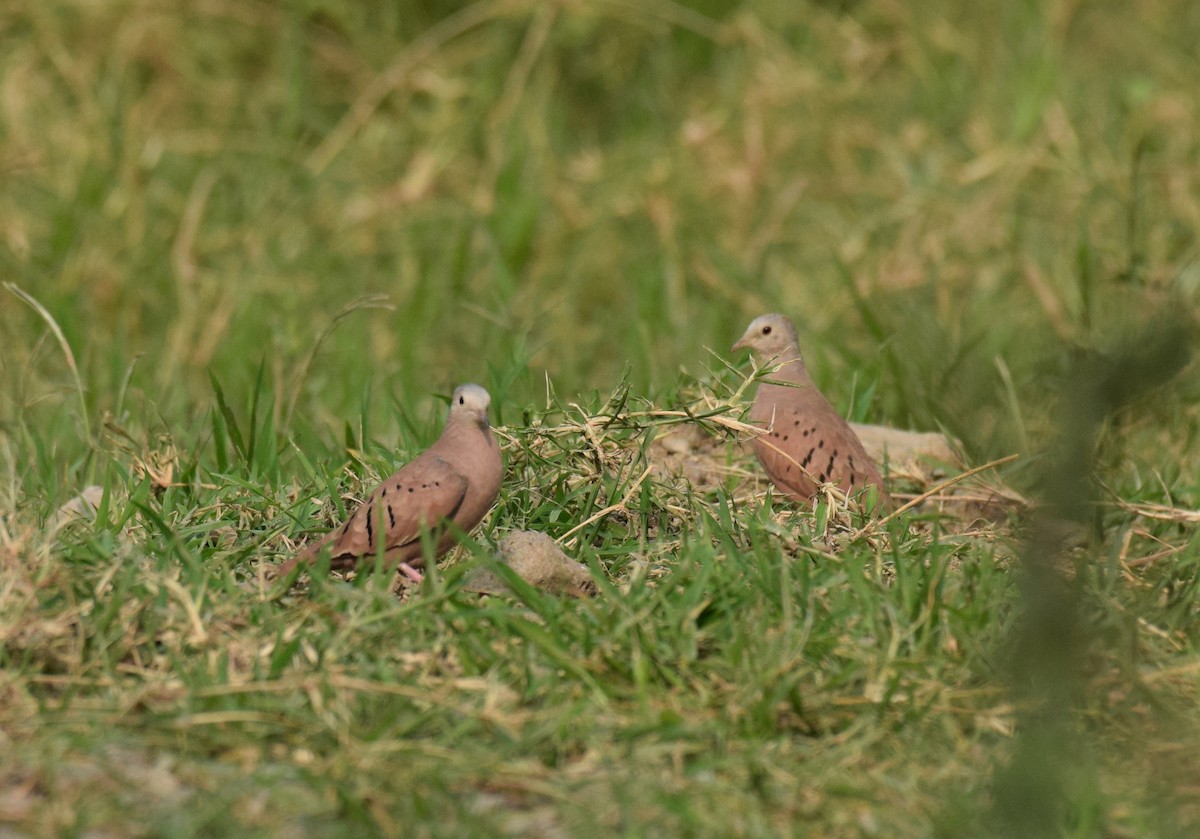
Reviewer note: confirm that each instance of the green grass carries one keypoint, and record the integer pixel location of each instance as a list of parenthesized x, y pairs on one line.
[(251, 247)]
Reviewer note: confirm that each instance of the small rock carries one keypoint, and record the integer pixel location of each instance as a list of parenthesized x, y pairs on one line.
[(898, 444), (82, 506), (538, 560)]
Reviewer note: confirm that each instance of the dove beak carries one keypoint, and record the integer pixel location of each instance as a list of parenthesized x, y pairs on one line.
[(740, 345)]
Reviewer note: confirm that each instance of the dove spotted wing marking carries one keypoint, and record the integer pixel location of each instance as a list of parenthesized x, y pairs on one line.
[(422, 494)]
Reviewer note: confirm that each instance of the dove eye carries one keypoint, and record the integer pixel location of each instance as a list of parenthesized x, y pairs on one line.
[(766, 330), (462, 401)]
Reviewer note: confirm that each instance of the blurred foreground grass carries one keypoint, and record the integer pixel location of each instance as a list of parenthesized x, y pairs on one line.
[(270, 233)]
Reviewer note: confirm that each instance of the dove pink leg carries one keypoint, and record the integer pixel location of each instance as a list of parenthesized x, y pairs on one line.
[(410, 572)]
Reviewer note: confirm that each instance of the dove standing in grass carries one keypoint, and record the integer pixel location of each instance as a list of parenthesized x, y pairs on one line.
[(455, 480), (805, 442)]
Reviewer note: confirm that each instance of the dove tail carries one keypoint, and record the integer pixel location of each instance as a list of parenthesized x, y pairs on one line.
[(305, 556)]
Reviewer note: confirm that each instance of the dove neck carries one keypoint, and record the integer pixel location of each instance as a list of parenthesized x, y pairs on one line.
[(459, 424), (790, 365)]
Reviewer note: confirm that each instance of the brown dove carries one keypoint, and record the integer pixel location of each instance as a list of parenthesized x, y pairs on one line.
[(454, 480), (806, 442)]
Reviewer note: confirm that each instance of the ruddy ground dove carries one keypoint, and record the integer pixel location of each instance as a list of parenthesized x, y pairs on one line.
[(455, 480), (805, 442)]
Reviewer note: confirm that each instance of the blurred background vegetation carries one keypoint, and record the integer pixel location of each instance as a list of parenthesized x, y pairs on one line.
[(951, 200)]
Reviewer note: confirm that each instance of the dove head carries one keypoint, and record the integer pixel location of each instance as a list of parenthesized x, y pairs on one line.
[(470, 403), (770, 336)]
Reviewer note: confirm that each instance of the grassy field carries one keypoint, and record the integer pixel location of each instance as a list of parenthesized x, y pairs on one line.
[(249, 247)]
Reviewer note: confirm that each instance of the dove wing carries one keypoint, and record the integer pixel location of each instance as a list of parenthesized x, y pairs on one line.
[(421, 494)]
